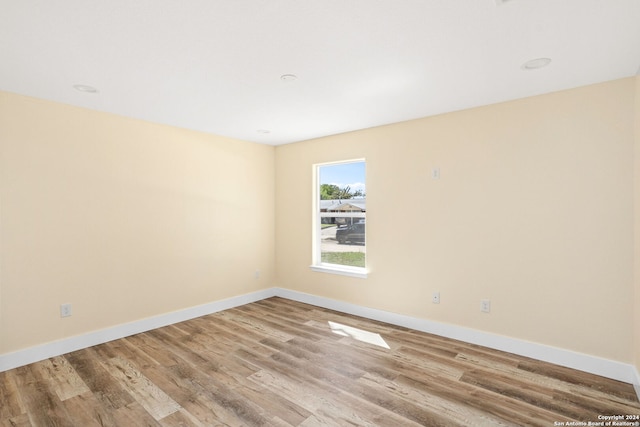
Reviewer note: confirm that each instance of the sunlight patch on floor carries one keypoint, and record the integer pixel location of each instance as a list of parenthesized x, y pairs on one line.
[(358, 334)]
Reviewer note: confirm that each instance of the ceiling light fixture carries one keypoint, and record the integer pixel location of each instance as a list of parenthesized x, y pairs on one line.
[(85, 88), (537, 63), (288, 77), (263, 131)]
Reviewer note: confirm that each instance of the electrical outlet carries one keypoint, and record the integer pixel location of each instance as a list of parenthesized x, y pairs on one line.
[(256, 275), (485, 306), (65, 310), (435, 298)]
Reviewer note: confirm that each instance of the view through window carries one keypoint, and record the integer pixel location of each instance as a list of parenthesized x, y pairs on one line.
[(341, 216)]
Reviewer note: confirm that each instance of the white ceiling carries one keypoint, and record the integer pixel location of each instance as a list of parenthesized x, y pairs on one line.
[(215, 65)]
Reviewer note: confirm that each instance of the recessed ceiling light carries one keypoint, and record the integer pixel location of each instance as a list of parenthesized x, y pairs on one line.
[(85, 88), (534, 64), (288, 77), (265, 131)]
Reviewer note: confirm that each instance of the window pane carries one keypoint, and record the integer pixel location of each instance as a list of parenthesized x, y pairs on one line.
[(342, 216), (344, 243)]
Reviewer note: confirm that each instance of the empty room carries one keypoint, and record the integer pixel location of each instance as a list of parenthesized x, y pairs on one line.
[(305, 213)]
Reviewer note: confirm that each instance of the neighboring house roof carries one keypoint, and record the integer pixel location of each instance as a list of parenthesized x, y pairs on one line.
[(343, 205), (325, 205), (358, 207)]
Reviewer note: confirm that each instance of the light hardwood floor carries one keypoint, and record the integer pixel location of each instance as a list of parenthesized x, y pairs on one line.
[(278, 363)]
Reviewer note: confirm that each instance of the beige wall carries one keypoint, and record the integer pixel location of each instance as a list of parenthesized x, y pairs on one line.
[(637, 226), (534, 211), (122, 218)]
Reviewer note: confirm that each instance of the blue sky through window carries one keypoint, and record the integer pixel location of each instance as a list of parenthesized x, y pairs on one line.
[(344, 174)]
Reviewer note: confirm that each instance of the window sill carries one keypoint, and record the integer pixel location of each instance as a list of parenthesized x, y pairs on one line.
[(358, 272)]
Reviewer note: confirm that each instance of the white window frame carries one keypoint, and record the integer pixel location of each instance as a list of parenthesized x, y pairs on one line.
[(317, 264)]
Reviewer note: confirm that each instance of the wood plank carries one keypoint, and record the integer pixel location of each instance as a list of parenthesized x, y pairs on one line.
[(181, 418), (493, 404), (583, 379), (89, 366), (328, 408), (146, 393), (134, 414), (42, 405), (447, 409), (62, 378), (87, 411), (11, 405), (17, 421)]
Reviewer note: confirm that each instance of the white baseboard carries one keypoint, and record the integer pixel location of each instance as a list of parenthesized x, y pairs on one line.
[(571, 359), (57, 348), (584, 362)]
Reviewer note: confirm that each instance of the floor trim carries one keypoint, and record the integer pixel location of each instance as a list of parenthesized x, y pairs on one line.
[(584, 362), (56, 348), (571, 359)]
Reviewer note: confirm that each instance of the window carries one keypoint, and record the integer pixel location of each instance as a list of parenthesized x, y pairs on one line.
[(339, 237)]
